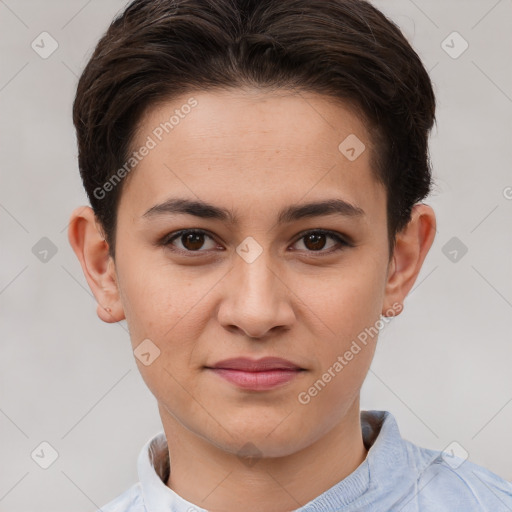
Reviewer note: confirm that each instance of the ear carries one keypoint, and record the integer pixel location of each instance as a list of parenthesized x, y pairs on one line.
[(411, 248), (86, 238)]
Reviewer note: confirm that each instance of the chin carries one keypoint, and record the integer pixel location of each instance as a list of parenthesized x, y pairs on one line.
[(253, 436)]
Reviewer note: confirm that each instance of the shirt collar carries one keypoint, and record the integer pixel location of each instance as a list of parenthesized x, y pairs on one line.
[(153, 468), (386, 462)]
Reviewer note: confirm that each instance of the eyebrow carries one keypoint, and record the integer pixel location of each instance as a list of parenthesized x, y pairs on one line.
[(291, 213)]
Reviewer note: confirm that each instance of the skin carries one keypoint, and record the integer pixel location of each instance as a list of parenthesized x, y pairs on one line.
[(254, 153)]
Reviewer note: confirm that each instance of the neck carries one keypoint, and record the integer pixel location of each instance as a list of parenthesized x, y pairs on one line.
[(217, 480)]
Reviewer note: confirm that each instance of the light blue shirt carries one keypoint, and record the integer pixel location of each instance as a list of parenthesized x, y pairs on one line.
[(396, 476)]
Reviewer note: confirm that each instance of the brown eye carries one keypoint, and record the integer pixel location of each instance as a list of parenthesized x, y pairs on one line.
[(191, 241), (196, 240), (315, 241)]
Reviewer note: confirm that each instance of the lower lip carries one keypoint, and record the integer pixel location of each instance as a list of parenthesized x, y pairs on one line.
[(257, 380)]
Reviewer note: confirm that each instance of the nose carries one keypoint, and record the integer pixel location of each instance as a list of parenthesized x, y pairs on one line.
[(256, 299)]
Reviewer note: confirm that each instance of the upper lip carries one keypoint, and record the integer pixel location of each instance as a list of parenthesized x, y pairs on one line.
[(256, 365)]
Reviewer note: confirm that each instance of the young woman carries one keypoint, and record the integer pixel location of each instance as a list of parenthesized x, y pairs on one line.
[(256, 171)]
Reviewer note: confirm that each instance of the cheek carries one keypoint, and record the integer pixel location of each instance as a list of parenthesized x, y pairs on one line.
[(351, 311), (157, 299), (169, 307), (348, 311), (351, 300), (164, 306)]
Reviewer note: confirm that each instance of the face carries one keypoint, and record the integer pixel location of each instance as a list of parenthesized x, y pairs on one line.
[(256, 273)]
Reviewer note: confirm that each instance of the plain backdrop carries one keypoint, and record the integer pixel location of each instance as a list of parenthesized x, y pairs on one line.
[(68, 379)]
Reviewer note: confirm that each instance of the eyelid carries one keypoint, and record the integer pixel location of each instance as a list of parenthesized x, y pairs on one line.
[(342, 240), (167, 239)]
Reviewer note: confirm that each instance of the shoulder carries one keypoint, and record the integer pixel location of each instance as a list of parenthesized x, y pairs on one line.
[(454, 484), (129, 501)]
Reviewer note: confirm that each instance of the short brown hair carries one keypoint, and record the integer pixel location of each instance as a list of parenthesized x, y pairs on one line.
[(346, 49)]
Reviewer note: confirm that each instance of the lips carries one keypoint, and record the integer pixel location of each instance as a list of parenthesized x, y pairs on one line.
[(259, 365), (257, 375)]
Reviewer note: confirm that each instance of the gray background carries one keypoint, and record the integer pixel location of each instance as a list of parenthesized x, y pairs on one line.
[(442, 368)]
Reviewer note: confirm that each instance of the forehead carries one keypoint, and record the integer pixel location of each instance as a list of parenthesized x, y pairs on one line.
[(251, 146)]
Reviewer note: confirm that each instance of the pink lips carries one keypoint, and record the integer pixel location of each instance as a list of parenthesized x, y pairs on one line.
[(261, 374)]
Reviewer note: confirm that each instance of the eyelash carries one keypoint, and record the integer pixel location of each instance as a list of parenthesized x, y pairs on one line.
[(342, 243)]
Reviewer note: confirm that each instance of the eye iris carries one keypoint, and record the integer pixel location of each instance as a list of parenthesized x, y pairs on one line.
[(194, 241), (318, 240)]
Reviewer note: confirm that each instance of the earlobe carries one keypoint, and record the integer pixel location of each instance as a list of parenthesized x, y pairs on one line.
[(91, 249), (411, 248)]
